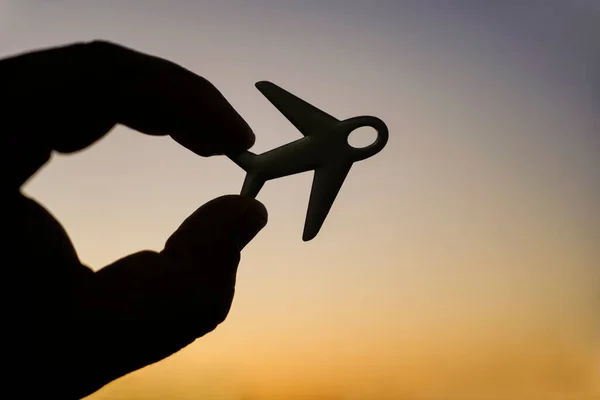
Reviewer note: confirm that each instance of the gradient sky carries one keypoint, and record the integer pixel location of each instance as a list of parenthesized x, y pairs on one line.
[(462, 262)]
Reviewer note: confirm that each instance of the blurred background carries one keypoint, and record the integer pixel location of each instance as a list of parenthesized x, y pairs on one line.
[(462, 262)]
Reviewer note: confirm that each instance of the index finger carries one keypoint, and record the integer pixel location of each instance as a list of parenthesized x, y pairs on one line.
[(66, 98)]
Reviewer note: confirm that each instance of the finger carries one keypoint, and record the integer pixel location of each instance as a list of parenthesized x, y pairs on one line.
[(150, 305), (66, 98)]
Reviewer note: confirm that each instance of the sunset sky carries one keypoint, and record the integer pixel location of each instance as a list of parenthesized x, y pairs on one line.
[(460, 263)]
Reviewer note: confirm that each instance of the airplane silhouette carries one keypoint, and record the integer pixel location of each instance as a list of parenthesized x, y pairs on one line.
[(324, 149)]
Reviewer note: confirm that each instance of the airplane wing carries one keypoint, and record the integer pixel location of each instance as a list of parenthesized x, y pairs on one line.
[(305, 117), (326, 185)]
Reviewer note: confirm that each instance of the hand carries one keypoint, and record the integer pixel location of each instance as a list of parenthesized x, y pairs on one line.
[(67, 330)]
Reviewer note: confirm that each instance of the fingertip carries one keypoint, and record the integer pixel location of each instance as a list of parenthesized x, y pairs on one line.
[(250, 138), (233, 140), (227, 131), (232, 219), (254, 220), (251, 215)]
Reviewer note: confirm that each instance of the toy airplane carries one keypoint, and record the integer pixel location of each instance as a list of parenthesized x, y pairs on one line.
[(324, 149)]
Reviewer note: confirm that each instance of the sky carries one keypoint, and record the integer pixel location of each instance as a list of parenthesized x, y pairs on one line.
[(459, 263)]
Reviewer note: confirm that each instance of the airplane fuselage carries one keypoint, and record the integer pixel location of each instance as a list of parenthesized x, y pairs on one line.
[(299, 156)]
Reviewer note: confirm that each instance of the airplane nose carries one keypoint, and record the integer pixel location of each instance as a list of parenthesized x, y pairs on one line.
[(380, 127)]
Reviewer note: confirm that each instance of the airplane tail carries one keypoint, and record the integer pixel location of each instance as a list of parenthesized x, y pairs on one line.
[(252, 185), (244, 160), (253, 182)]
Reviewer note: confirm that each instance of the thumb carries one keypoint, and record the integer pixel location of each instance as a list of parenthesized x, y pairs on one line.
[(206, 248), (150, 305)]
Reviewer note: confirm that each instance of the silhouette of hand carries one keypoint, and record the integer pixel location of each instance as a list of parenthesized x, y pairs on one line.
[(67, 330)]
